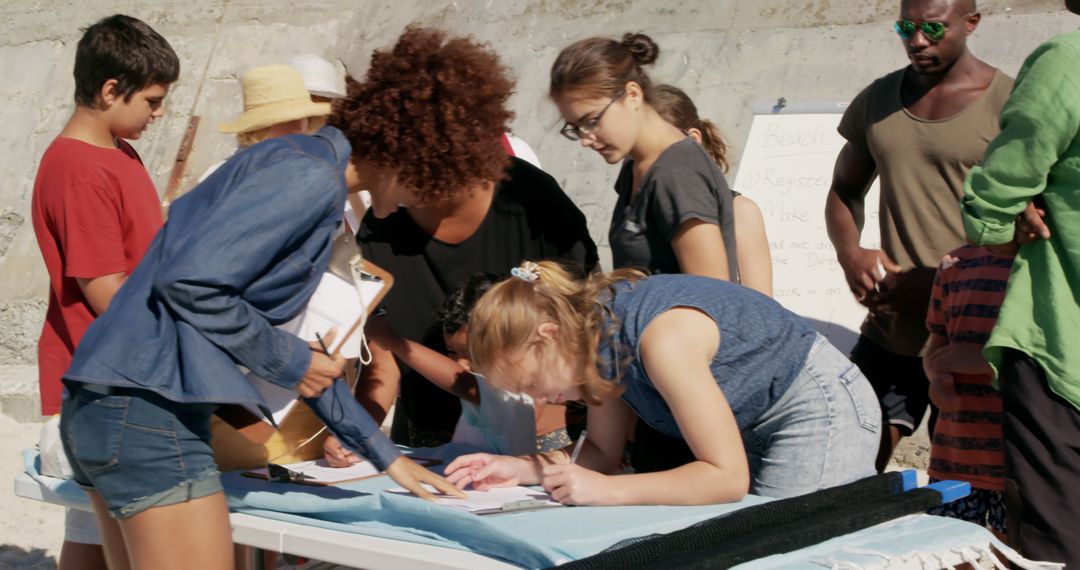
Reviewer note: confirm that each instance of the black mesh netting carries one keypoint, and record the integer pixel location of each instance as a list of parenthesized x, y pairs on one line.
[(770, 528)]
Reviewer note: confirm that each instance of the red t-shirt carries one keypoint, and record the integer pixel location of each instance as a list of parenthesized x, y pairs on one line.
[(95, 212)]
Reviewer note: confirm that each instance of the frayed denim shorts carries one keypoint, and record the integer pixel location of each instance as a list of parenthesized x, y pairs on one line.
[(137, 449)]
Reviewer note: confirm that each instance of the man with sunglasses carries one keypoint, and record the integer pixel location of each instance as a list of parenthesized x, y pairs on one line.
[(1033, 348), (920, 129)]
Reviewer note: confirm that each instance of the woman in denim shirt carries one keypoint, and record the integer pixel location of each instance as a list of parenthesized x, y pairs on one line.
[(766, 404), (240, 254)]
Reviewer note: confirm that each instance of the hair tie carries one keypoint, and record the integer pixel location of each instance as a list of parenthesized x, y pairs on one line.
[(528, 271)]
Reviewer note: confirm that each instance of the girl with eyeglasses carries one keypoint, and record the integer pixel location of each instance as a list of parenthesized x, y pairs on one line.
[(674, 212), (762, 400), (674, 208)]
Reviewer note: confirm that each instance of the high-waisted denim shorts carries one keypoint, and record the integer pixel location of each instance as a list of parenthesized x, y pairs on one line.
[(137, 449)]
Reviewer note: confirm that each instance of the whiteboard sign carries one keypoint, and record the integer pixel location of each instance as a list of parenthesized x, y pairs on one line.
[(786, 168)]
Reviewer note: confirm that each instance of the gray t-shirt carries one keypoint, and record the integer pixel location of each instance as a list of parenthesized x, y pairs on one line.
[(683, 184)]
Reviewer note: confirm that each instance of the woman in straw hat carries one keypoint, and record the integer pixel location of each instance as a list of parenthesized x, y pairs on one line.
[(240, 254), (276, 103)]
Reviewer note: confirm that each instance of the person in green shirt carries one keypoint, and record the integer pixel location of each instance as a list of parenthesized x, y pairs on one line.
[(1026, 197)]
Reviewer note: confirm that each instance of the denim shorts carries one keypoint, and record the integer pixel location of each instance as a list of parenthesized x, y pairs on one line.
[(137, 449), (824, 431)]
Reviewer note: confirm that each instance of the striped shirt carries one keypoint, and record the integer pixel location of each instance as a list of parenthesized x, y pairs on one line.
[(967, 443)]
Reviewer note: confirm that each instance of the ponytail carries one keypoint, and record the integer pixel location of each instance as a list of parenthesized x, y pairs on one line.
[(714, 143), (675, 107)]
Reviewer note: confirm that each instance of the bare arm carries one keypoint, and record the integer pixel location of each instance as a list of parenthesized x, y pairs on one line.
[(942, 389), (439, 369), (699, 247), (601, 453), (752, 247), (854, 172), (379, 382), (99, 291), (603, 448), (957, 358), (676, 349), (936, 343)]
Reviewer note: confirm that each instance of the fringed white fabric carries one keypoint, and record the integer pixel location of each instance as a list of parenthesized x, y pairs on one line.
[(978, 556)]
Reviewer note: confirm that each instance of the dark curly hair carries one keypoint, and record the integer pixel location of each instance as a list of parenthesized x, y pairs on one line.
[(435, 106), (459, 305)]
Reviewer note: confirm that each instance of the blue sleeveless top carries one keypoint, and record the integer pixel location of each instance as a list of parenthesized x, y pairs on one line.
[(762, 345)]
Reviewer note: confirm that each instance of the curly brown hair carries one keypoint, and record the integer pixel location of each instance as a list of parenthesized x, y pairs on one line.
[(435, 106)]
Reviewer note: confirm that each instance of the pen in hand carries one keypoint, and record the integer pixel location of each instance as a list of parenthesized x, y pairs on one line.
[(322, 344), (577, 447)]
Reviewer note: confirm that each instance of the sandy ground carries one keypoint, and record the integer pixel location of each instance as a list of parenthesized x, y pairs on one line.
[(31, 532)]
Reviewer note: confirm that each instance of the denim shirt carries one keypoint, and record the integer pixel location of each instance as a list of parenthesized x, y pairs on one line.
[(240, 253), (762, 345)]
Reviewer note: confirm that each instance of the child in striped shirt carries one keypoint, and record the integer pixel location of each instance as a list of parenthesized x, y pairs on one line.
[(967, 442)]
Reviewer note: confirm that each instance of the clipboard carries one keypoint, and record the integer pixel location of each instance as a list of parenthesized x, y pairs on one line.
[(495, 501), (263, 473), (517, 507), (362, 273)]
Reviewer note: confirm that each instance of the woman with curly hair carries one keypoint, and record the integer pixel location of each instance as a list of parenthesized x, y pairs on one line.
[(426, 126)]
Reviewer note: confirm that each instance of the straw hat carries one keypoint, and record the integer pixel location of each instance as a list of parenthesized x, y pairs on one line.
[(273, 94), (322, 78)]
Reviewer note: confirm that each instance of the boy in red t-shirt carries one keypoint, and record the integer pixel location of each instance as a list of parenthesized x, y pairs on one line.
[(94, 208), (967, 443)]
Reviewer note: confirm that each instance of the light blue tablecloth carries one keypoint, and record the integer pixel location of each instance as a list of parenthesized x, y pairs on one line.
[(542, 538)]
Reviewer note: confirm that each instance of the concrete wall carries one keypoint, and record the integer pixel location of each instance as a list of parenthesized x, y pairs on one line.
[(727, 54)]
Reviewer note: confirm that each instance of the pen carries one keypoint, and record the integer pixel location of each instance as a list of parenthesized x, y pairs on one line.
[(322, 344), (577, 447)]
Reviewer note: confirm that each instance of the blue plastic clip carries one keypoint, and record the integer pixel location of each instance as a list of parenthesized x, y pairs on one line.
[(951, 490), (909, 479)]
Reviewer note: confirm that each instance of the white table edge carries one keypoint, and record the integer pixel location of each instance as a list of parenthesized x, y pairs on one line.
[(337, 547)]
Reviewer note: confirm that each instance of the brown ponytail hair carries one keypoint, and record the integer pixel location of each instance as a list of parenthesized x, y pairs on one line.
[(603, 66), (675, 107), (504, 321)]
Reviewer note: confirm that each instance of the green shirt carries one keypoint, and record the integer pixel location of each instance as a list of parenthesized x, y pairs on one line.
[(1037, 154)]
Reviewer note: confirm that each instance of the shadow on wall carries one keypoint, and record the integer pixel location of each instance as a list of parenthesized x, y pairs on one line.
[(841, 337), (35, 559)]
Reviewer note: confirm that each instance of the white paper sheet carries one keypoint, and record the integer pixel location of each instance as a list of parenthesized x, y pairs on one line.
[(336, 303)]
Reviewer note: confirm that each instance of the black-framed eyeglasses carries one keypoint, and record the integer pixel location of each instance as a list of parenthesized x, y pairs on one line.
[(588, 126)]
